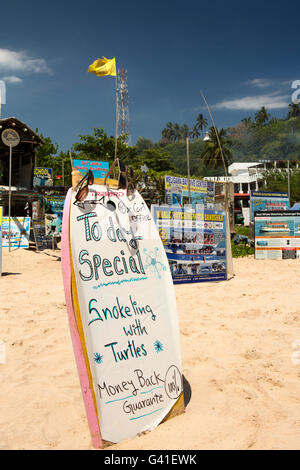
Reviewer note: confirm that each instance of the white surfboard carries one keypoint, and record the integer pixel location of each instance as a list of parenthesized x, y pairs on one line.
[(128, 311)]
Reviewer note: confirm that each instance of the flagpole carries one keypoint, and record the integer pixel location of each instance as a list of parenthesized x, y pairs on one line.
[(117, 116)]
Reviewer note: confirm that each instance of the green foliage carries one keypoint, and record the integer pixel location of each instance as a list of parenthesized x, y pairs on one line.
[(212, 154), (239, 251), (275, 139), (261, 138), (155, 159), (244, 230), (278, 181), (101, 147)]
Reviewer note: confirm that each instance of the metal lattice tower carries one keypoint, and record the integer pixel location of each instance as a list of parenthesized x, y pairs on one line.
[(123, 104)]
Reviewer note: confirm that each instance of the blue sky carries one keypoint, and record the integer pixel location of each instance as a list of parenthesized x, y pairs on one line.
[(241, 55)]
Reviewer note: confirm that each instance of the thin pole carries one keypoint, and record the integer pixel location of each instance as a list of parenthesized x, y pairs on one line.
[(63, 172), (9, 195), (228, 243), (289, 186), (188, 167), (217, 135), (70, 155), (117, 116)]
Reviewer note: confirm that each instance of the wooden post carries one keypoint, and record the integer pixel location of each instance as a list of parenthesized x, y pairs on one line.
[(289, 185), (188, 168)]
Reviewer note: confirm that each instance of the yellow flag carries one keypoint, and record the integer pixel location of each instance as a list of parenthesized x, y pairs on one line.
[(103, 67)]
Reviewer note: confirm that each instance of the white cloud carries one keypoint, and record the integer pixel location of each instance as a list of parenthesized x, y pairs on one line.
[(12, 79), (260, 82), (21, 62), (270, 101)]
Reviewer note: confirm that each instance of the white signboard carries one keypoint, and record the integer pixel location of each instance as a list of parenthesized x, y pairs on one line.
[(128, 311)]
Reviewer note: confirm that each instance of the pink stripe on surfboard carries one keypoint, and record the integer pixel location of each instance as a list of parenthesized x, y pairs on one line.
[(78, 351)]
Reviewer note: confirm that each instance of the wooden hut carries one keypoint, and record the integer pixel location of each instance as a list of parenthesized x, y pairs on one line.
[(23, 163)]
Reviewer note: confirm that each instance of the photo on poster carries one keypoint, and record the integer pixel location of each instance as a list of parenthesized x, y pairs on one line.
[(277, 234), (194, 241)]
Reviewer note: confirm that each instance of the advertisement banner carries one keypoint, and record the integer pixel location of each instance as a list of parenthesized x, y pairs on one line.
[(54, 206), (125, 311), (99, 169), (177, 192), (19, 232), (42, 177), (42, 240), (1, 211), (277, 234), (194, 241), (268, 201)]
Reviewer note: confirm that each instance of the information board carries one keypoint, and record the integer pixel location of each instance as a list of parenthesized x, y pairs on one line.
[(19, 232), (194, 241), (277, 234), (177, 192), (99, 169), (42, 177), (268, 201)]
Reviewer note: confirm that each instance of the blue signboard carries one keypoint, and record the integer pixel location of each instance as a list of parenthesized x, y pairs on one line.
[(19, 232), (99, 169), (177, 192), (42, 177), (277, 234), (268, 201), (54, 206), (194, 241)]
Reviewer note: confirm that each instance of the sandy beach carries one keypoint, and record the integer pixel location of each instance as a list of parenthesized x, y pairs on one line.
[(237, 342)]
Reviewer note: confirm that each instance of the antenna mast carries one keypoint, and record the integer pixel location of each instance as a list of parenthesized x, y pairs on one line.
[(123, 105)]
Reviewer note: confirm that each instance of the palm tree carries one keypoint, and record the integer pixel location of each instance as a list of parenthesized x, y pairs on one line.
[(247, 121), (201, 122), (294, 110), (195, 132), (177, 132), (185, 131), (211, 154), (168, 132), (262, 116)]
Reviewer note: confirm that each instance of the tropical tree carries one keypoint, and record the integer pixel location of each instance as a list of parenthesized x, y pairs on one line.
[(247, 121), (212, 154), (278, 181), (194, 133), (294, 110), (168, 132), (201, 122), (177, 132), (143, 143), (100, 146), (185, 131), (262, 116), (155, 159), (45, 152)]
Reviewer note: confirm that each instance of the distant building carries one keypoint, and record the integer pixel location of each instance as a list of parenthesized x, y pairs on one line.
[(23, 163), (249, 176)]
